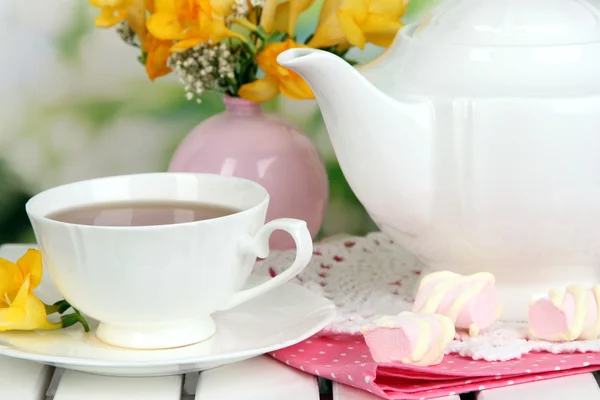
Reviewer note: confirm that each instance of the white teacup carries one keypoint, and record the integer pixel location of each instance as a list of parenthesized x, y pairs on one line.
[(156, 286)]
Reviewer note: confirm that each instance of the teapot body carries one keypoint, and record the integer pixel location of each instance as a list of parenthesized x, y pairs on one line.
[(474, 140), (515, 192)]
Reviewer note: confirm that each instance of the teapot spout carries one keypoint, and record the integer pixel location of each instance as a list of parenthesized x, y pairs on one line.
[(383, 144)]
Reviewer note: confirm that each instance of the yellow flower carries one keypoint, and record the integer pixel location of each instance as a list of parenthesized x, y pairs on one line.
[(155, 6), (222, 7), (157, 55), (157, 50), (114, 11), (277, 79), (358, 21), (190, 23), (111, 12), (20, 309), (136, 17), (283, 16)]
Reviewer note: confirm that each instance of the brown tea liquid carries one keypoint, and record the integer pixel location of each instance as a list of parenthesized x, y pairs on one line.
[(141, 213)]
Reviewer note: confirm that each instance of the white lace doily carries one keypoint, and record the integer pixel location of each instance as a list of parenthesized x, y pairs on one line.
[(367, 277)]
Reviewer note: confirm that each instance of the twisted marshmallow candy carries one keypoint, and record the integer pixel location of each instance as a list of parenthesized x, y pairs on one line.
[(418, 339), (566, 315), (470, 301)]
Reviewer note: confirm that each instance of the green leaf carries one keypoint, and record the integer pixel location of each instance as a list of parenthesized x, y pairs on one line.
[(276, 37), (249, 47), (142, 58), (309, 38), (262, 34)]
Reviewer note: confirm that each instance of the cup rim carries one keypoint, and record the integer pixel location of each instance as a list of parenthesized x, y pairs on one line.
[(45, 219)]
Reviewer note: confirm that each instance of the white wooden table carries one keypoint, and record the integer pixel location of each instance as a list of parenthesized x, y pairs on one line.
[(261, 378)]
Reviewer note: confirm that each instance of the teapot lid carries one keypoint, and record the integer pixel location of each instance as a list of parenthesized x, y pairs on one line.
[(511, 22)]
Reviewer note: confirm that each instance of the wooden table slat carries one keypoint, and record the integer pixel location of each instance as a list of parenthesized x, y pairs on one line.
[(79, 386), (23, 380), (583, 386), (259, 378)]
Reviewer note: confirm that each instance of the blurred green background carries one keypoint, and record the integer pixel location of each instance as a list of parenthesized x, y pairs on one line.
[(75, 104)]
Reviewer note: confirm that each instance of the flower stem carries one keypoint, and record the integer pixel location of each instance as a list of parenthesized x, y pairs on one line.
[(51, 309), (59, 307), (72, 319), (249, 25), (250, 48), (68, 319)]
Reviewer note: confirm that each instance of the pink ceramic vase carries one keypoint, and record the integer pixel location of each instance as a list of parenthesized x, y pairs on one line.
[(244, 141)]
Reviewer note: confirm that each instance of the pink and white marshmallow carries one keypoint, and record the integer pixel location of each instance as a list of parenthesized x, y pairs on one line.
[(408, 338), (470, 301), (567, 315)]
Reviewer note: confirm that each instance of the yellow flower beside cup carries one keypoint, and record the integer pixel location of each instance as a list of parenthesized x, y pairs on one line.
[(20, 308)]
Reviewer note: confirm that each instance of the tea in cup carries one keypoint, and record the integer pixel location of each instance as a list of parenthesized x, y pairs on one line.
[(152, 256)]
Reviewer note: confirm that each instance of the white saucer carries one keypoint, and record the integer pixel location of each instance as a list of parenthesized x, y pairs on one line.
[(283, 317)]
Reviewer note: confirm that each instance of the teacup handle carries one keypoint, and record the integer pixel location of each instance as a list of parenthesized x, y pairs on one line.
[(259, 246)]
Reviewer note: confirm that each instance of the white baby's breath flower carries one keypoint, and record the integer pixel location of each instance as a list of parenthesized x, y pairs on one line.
[(239, 10), (127, 34), (204, 67)]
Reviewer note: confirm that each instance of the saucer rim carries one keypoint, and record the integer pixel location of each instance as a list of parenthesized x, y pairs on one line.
[(328, 312), (327, 309)]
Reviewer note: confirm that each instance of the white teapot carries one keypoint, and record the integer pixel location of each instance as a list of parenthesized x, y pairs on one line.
[(474, 140)]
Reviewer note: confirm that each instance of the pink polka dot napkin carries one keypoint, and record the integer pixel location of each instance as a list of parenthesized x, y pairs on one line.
[(346, 359)]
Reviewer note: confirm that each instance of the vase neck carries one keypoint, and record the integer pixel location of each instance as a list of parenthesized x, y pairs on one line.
[(236, 105)]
